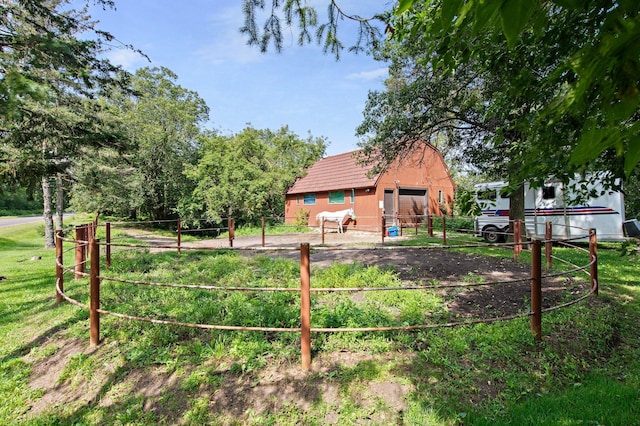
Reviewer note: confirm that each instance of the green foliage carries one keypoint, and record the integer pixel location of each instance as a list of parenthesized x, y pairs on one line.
[(585, 54), (302, 218), (18, 201), (163, 122), (245, 176)]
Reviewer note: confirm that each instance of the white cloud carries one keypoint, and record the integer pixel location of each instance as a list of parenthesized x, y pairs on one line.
[(127, 58), (222, 41), (376, 74)]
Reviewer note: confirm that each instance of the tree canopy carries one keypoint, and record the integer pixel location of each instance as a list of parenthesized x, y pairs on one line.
[(246, 175), (583, 55), (50, 79), (163, 123)]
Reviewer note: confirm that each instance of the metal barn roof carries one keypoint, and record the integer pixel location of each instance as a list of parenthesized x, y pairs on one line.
[(334, 173)]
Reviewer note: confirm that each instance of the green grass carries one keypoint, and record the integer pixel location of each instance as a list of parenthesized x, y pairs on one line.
[(586, 370)]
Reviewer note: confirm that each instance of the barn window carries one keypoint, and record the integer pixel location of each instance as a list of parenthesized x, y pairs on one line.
[(548, 192), (297, 200), (353, 196), (440, 196), (309, 198), (336, 197)]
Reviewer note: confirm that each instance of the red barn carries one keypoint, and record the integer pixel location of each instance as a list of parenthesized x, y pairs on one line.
[(416, 185)]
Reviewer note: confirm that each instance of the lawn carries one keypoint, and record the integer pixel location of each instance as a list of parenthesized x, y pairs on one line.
[(586, 369)]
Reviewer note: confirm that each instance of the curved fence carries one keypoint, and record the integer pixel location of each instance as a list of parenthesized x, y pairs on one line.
[(86, 249)]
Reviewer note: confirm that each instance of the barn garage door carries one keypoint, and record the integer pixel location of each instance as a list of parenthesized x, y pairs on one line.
[(412, 202)]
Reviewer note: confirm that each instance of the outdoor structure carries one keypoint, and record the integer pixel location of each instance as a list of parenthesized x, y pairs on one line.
[(412, 187)]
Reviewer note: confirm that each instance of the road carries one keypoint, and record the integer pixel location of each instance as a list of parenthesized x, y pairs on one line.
[(13, 221), (5, 223)]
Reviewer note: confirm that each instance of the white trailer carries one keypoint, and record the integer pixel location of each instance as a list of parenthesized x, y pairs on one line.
[(553, 202)]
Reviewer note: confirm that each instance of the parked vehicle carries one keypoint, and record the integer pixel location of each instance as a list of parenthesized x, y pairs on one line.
[(553, 202)]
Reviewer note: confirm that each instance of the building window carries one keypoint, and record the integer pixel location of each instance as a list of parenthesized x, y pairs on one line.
[(309, 198), (353, 196), (298, 200), (336, 197), (440, 196)]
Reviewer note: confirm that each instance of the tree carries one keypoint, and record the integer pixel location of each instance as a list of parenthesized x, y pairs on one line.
[(163, 121), (48, 81), (246, 175), (594, 82)]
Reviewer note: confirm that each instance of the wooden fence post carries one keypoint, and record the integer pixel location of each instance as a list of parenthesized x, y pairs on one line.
[(263, 226), (536, 289), (305, 306), (593, 257), (430, 225), (79, 262), (232, 231), (322, 229), (179, 230), (59, 263), (94, 294), (548, 245), (108, 246), (384, 228), (517, 238), (444, 230), (84, 232)]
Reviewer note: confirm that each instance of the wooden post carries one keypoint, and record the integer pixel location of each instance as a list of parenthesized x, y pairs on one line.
[(444, 230), (305, 306), (430, 225), (416, 224), (84, 233), (179, 235), (322, 229), (517, 238), (384, 228), (79, 266), (232, 231), (536, 289), (59, 263), (95, 222), (263, 226), (593, 257), (94, 294), (108, 246), (548, 244)]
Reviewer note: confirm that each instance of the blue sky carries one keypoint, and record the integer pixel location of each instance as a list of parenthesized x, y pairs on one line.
[(301, 87)]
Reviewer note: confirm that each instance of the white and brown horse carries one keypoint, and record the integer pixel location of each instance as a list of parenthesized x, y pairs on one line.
[(338, 217)]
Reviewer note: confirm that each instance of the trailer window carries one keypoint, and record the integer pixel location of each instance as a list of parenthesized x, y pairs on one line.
[(548, 192), (486, 194)]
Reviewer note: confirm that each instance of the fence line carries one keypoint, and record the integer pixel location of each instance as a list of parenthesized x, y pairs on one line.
[(88, 234)]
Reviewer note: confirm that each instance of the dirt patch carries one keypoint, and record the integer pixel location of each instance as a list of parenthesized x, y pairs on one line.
[(49, 375)]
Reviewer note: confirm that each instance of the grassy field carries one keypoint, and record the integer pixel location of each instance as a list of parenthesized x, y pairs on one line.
[(586, 370)]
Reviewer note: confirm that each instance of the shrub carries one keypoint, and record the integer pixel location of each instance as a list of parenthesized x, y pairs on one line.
[(302, 218)]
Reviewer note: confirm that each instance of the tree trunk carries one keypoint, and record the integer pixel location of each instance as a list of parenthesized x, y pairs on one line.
[(48, 218), (516, 208), (59, 201)]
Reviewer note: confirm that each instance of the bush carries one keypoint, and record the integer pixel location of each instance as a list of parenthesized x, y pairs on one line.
[(302, 218)]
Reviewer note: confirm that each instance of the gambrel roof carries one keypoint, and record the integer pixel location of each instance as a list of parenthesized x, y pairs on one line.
[(333, 173)]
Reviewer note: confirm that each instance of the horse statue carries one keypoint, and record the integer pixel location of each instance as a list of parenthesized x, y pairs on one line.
[(338, 217)]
